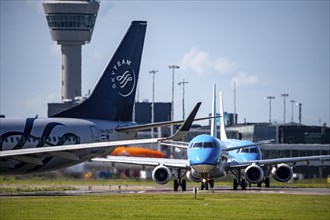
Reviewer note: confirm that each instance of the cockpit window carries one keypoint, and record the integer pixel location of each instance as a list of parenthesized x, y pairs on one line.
[(203, 145), (253, 150)]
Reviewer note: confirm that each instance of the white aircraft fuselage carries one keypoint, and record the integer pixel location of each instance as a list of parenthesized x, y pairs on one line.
[(48, 132)]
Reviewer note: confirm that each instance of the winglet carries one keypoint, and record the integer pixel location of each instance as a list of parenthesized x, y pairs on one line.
[(213, 122), (184, 128), (223, 135)]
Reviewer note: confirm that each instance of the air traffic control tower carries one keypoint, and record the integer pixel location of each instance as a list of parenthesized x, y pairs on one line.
[(71, 24)]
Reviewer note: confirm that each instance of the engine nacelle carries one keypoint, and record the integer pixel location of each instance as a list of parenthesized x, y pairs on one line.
[(254, 174), (283, 172), (161, 174), (191, 178)]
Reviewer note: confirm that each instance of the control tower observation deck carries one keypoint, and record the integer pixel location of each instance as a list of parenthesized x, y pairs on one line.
[(71, 24)]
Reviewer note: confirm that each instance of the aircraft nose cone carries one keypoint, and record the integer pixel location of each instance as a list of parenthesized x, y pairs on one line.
[(203, 168)]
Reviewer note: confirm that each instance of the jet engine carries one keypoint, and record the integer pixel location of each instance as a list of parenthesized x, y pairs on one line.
[(191, 178), (161, 174), (282, 173), (254, 174)]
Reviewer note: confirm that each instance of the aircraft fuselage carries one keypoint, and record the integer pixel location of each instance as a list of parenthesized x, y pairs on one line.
[(47, 132)]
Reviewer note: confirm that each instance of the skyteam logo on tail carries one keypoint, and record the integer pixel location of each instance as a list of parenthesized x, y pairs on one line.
[(123, 77)]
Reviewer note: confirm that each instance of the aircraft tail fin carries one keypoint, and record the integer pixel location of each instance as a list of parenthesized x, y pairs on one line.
[(113, 96), (223, 135), (213, 122)]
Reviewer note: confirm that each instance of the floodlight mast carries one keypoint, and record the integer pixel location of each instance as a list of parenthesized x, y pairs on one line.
[(284, 95), (153, 72), (270, 107), (182, 83), (173, 67), (299, 104), (292, 102)]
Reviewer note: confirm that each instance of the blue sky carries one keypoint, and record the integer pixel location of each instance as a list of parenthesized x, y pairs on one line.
[(266, 47)]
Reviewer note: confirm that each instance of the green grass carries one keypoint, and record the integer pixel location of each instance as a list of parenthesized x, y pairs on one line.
[(24, 180), (167, 206)]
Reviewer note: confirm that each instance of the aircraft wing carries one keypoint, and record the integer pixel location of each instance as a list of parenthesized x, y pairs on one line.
[(145, 161), (230, 148), (65, 151), (270, 162), (178, 144), (30, 151), (157, 124)]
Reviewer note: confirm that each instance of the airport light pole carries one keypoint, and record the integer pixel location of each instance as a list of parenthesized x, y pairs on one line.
[(270, 107), (153, 72), (182, 83), (292, 102), (299, 104), (284, 95), (173, 67)]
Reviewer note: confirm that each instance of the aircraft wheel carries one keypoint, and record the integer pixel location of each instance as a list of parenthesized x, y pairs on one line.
[(243, 184), (211, 184), (206, 186), (267, 182), (176, 185), (184, 185), (259, 184), (235, 184), (202, 186)]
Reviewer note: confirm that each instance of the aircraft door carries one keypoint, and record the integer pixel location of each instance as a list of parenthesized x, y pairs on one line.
[(95, 134)]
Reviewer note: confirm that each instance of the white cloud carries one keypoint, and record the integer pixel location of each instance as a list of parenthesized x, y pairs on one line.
[(196, 61), (225, 66), (199, 62), (243, 79)]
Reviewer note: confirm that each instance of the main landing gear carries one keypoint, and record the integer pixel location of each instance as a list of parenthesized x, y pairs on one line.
[(241, 183), (178, 181), (238, 181), (266, 181)]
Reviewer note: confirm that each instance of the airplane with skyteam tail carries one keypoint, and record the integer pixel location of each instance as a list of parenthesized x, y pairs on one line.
[(94, 128), (209, 157)]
